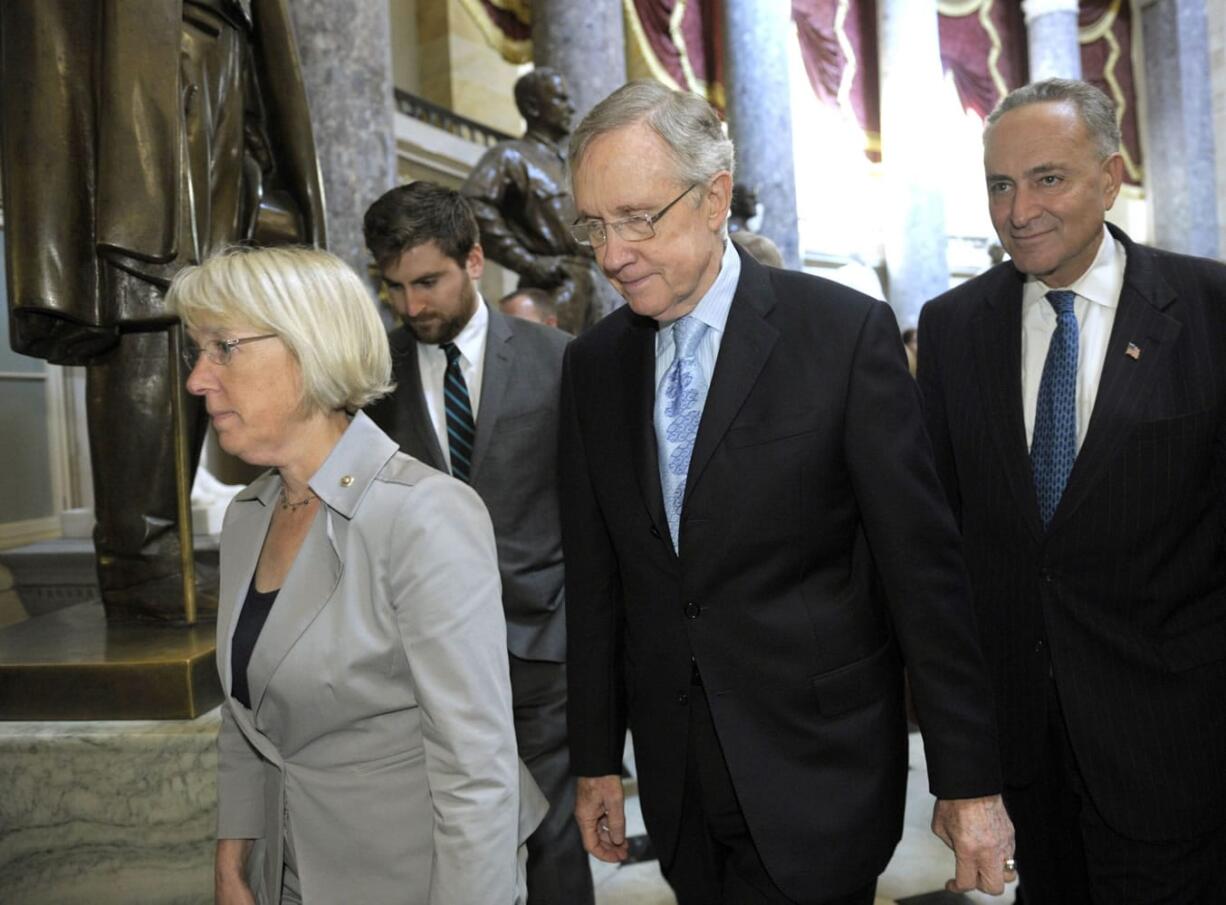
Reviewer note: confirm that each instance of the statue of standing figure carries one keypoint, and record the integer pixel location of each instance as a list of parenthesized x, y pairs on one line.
[(137, 137), (519, 191)]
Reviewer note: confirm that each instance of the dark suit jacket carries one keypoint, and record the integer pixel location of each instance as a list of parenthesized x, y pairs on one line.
[(1125, 594), (514, 469), (814, 544)]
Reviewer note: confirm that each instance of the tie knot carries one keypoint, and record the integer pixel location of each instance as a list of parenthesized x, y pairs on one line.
[(687, 333), (452, 353), (1062, 300)]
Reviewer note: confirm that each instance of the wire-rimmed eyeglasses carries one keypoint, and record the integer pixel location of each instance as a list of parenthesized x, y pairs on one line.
[(218, 351), (635, 228)]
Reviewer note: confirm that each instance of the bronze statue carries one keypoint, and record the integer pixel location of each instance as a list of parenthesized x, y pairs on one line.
[(519, 193), (138, 136), (744, 207)]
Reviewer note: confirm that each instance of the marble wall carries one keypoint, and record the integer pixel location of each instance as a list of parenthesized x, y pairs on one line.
[(458, 69), (103, 813)]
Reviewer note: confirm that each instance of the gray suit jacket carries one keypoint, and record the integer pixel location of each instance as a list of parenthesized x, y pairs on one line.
[(515, 467), (381, 721)]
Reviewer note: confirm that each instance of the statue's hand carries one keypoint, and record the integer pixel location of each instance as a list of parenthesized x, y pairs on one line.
[(545, 271)]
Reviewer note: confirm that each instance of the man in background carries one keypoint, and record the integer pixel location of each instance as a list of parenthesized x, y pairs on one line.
[(534, 305), (477, 397)]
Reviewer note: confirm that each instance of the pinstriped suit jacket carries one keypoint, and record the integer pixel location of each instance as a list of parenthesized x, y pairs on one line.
[(1123, 597)]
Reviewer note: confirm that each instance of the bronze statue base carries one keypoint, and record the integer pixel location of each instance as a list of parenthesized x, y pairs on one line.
[(72, 665)]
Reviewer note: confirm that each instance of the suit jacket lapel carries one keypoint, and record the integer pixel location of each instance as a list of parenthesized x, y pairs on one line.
[(998, 352), (1125, 382), (743, 351), (411, 401), (638, 353), (495, 375)]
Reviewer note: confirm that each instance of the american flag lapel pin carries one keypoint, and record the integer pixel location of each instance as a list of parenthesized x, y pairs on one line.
[(1133, 351)]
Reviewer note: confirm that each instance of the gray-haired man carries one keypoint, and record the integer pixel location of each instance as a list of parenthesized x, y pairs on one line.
[(1076, 400), (756, 540)]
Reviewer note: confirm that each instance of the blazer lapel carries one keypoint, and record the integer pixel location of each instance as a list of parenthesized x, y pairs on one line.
[(998, 354), (411, 400), (638, 352), (743, 351), (494, 379), (341, 483), (242, 541), (1126, 381), (308, 586)]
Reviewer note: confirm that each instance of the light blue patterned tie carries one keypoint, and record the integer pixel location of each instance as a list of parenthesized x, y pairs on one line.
[(678, 410), (1054, 445)]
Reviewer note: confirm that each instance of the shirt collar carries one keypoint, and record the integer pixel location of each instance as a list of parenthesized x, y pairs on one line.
[(712, 309), (1101, 284)]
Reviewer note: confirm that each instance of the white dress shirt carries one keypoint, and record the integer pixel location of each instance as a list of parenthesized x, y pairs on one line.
[(712, 310), (1098, 297), (432, 364)]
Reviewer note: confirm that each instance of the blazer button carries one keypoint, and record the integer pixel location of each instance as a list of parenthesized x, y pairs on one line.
[(1047, 579), (692, 610), (1039, 645), (682, 698)]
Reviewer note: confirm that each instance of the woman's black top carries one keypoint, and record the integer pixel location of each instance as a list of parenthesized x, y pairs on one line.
[(250, 623)]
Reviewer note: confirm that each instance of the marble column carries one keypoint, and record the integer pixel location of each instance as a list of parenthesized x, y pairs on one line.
[(586, 42), (756, 36), (916, 245), (1051, 33), (1217, 76), (347, 67), (1180, 162)]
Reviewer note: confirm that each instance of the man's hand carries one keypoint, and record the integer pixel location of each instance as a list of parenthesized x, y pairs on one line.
[(981, 835), (601, 815)]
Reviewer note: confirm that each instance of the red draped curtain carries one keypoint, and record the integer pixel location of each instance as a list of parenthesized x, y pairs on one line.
[(1106, 61), (838, 43), (983, 46)]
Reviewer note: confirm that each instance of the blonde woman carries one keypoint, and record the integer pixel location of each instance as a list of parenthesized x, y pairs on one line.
[(367, 751)]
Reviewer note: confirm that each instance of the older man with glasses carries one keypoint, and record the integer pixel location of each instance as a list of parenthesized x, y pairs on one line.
[(756, 542)]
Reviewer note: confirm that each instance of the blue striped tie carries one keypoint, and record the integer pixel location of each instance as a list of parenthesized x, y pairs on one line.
[(1053, 448), (461, 428)]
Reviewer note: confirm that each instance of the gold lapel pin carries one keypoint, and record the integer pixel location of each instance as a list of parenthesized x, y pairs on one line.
[(1133, 351)]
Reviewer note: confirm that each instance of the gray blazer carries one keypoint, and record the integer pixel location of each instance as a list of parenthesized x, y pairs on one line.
[(381, 724), (515, 467)]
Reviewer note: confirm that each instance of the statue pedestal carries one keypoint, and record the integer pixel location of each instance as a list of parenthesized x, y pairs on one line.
[(68, 663), (95, 813), (71, 664)]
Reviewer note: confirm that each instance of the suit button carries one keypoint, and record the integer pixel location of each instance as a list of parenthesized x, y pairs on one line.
[(682, 698), (655, 532), (1039, 645), (1047, 577), (692, 610)]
